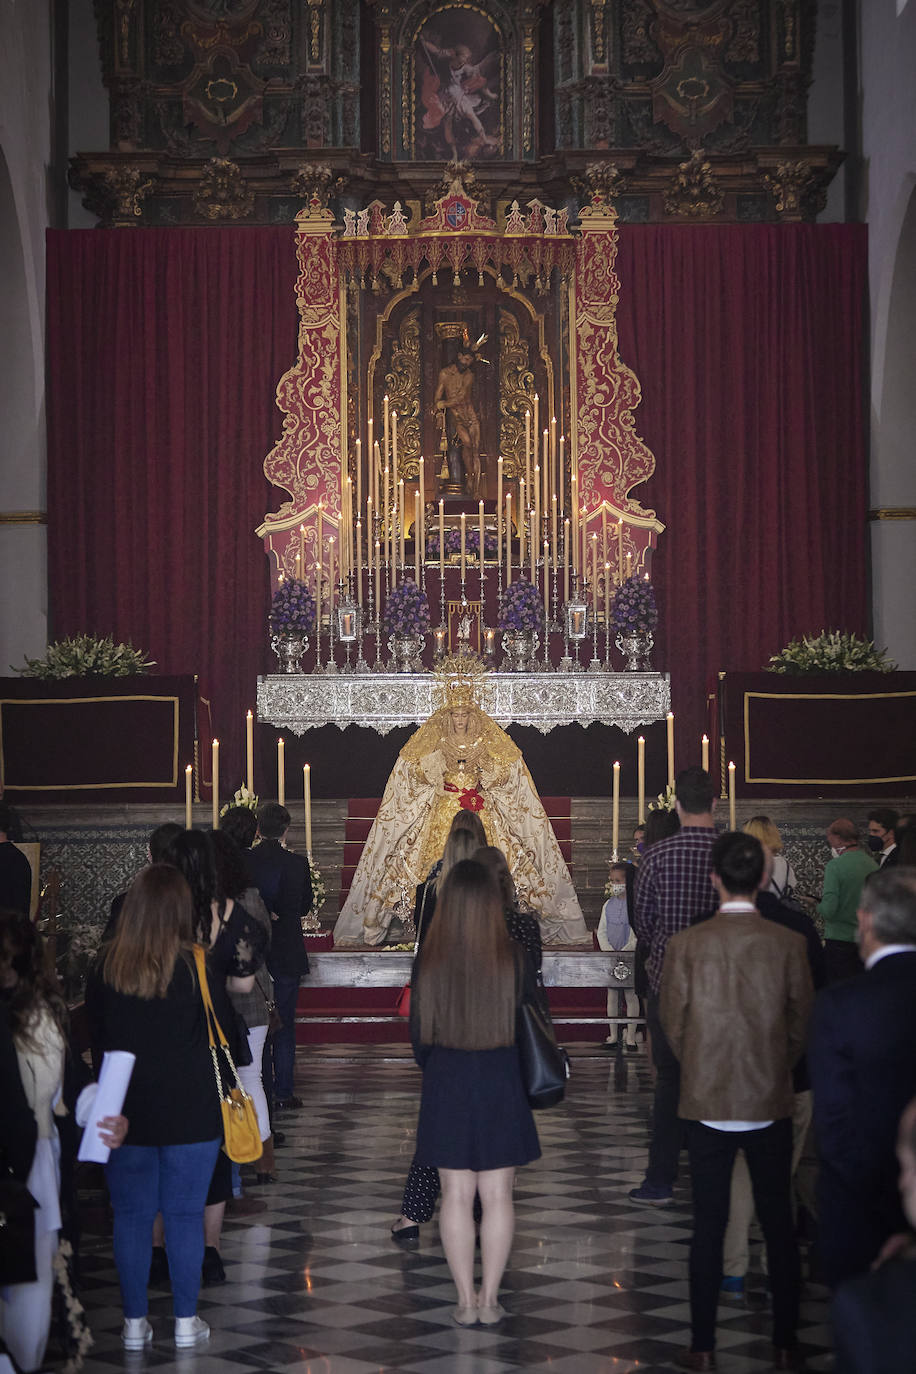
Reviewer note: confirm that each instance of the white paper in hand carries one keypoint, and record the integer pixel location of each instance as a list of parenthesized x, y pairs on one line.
[(117, 1067)]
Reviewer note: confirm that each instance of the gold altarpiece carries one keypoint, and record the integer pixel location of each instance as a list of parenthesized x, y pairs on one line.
[(384, 303)]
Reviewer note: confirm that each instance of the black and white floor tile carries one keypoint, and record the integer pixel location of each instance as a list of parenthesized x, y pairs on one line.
[(316, 1286)]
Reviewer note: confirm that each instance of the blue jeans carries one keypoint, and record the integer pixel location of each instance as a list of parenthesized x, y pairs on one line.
[(286, 991), (173, 1180)]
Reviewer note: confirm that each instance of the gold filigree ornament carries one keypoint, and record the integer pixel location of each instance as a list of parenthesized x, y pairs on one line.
[(223, 192), (459, 682)]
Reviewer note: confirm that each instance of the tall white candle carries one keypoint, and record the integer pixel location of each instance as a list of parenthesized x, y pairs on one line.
[(732, 823), (546, 585), (441, 537), (214, 773), (508, 538), (566, 553), (281, 771), (188, 817), (401, 522), (499, 513), (480, 533), (615, 832), (416, 536), (249, 752), (307, 798), (562, 475), (641, 780), (422, 508), (522, 518), (462, 546), (670, 731), (359, 476), (528, 447), (704, 749)]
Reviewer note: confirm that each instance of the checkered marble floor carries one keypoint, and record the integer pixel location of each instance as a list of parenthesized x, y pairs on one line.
[(594, 1283)]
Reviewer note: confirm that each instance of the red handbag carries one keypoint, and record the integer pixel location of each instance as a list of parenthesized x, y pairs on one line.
[(402, 1006)]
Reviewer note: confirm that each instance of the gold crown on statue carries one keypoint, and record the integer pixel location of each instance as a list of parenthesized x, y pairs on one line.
[(459, 681)]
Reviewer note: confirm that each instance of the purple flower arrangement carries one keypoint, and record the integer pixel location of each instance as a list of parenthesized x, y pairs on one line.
[(635, 611), (490, 543), (520, 607), (452, 544), (407, 610), (292, 610)]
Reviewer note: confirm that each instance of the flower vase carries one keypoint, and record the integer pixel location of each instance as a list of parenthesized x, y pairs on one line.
[(519, 649), (636, 649), (406, 653), (289, 649)]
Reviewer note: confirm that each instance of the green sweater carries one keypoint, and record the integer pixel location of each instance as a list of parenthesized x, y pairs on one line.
[(843, 879)]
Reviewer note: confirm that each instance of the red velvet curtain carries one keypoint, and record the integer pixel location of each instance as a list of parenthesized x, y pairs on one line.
[(166, 347), (748, 343)]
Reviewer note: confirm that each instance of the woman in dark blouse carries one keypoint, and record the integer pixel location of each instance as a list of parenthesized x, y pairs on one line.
[(148, 1002)]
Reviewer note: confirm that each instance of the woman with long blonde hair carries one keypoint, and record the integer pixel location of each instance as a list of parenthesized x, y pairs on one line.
[(475, 1124)]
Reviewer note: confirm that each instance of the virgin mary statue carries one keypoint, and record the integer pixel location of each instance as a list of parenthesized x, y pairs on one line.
[(458, 758)]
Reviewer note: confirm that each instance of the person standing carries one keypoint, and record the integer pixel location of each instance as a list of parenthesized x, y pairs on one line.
[(881, 839), (844, 875), (863, 1073), (735, 999), (15, 869), (673, 890), (475, 1124), (149, 1003), (285, 884)]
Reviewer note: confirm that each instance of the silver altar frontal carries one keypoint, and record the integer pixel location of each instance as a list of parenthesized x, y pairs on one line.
[(384, 701)]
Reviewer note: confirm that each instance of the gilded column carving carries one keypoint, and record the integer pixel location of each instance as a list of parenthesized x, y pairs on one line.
[(791, 184), (516, 393), (402, 384), (307, 461), (223, 192), (693, 190)]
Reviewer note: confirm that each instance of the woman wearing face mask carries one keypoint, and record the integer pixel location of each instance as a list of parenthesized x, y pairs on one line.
[(616, 933)]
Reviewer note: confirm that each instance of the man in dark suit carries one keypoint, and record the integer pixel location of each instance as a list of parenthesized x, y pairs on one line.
[(285, 884), (874, 1315), (15, 869), (863, 1073)]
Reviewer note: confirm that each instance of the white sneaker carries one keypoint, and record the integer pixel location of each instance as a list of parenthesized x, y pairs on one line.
[(136, 1333), (190, 1331)]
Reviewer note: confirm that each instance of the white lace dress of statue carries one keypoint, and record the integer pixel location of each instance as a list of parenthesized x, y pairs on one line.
[(458, 758)]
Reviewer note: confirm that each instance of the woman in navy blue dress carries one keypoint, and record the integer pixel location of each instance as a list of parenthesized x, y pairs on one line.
[(475, 1123)]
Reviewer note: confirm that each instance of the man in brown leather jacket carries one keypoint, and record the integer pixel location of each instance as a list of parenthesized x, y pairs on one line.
[(735, 999)]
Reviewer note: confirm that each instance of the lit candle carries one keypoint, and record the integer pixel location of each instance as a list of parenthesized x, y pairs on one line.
[(574, 541), (416, 536), (480, 533), (619, 550), (615, 832), (491, 636), (281, 771), (553, 453), (532, 545), (704, 749), (528, 447), (302, 546), (562, 482), (401, 521), (386, 514), (604, 547), (545, 470), (359, 476), (594, 575), (378, 579), (546, 585), (535, 424), (630, 565), (536, 498), (499, 513), (214, 790), (553, 525), (394, 458), (607, 596), (373, 469), (522, 520), (440, 642), (641, 780), (508, 538), (385, 431), (441, 538), (359, 562), (732, 824), (423, 506), (378, 475), (249, 752), (307, 797), (330, 574), (462, 545), (670, 723), (298, 567), (566, 558), (188, 818)]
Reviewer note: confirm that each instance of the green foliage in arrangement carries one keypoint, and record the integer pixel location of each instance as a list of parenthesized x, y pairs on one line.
[(87, 656), (831, 651)]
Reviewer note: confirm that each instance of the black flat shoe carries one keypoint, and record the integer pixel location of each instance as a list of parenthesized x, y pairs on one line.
[(212, 1271), (279, 1137), (265, 1178), (405, 1235)]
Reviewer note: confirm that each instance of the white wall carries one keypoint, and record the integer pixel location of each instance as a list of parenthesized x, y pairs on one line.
[(888, 104), (25, 143)]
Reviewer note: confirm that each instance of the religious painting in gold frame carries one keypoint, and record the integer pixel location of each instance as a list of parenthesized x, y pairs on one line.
[(455, 94)]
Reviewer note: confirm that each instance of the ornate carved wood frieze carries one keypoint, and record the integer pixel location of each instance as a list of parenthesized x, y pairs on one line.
[(699, 103)]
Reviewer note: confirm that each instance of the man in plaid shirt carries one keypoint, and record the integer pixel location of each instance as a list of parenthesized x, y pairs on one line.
[(673, 891)]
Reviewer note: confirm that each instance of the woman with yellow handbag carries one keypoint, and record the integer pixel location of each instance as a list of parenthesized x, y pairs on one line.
[(148, 1000)]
